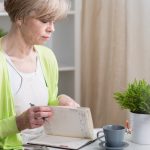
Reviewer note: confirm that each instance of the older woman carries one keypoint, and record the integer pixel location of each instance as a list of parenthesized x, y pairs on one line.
[(28, 71)]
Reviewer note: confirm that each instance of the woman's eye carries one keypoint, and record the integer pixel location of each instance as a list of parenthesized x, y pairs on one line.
[(44, 20)]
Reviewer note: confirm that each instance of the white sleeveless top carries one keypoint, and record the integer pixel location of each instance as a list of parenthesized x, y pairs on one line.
[(28, 88)]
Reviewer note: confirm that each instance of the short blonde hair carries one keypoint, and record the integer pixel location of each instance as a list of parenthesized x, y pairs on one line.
[(54, 9)]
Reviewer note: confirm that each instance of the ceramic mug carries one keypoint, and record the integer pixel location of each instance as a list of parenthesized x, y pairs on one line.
[(113, 135)]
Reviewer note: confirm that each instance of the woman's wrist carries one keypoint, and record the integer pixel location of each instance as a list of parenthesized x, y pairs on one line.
[(20, 123)]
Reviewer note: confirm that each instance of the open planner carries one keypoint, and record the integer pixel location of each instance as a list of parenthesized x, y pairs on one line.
[(69, 128)]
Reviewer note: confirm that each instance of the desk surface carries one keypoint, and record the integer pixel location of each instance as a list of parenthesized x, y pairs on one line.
[(95, 146)]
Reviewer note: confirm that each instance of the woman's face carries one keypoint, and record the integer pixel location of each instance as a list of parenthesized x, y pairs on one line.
[(36, 31)]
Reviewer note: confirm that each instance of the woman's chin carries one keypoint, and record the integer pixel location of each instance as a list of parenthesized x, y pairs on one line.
[(40, 42)]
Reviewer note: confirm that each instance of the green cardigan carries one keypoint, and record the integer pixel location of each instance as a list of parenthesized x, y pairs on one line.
[(9, 134)]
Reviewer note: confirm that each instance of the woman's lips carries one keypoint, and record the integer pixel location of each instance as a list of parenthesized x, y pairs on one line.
[(46, 37)]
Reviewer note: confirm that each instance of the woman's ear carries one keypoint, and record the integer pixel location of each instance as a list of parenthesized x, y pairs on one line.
[(19, 22)]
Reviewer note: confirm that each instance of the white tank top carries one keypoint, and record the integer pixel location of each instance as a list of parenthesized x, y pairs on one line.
[(28, 88)]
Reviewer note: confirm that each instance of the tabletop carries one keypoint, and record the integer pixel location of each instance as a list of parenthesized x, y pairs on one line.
[(96, 146)]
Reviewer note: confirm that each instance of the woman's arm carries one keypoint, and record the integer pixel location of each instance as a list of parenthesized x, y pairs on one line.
[(33, 117), (8, 126)]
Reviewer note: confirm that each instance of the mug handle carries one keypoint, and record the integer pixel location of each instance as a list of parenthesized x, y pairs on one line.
[(99, 137)]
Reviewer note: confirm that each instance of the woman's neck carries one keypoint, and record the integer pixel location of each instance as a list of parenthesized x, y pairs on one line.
[(14, 45)]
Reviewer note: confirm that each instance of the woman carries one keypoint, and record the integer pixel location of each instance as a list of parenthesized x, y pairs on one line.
[(28, 71)]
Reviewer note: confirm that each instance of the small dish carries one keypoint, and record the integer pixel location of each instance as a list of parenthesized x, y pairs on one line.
[(114, 148)]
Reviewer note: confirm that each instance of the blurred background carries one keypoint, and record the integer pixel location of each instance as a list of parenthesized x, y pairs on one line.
[(115, 50), (101, 46)]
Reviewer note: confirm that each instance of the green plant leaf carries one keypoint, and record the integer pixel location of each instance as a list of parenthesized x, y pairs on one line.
[(136, 97), (2, 32)]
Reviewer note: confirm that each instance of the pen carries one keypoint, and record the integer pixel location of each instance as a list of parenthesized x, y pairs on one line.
[(44, 118), (31, 104), (63, 146)]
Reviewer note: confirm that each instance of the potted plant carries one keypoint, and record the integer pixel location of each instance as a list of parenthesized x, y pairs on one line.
[(2, 32), (136, 98)]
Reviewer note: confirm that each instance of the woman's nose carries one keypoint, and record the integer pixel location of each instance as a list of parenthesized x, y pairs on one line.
[(51, 27)]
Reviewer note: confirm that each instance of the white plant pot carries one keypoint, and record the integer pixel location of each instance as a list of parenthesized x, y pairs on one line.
[(140, 124)]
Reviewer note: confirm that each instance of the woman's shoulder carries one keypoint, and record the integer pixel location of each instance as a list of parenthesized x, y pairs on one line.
[(42, 48), (46, 55), (45, 51)]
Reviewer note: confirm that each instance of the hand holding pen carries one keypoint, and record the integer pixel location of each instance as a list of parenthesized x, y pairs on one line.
[(44, 118), (34, 117)]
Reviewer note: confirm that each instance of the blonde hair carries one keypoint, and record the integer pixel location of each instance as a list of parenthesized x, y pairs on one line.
[(53, 9)]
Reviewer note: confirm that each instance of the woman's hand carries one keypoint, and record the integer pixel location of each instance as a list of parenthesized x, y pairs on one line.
[(34, 117), (65, 100)]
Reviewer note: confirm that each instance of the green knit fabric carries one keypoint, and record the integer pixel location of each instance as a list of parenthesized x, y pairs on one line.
[(9, 134)]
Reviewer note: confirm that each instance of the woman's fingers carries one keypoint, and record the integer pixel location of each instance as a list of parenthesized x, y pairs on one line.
[(42, 115), (65, 100), (36, 123), (34, 117), (41, 109), (42, 112)]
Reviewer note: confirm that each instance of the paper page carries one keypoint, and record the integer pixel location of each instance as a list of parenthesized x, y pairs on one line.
[(72, 122), (60, 141)]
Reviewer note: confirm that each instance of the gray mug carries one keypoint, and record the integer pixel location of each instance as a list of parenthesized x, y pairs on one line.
[(113, 134)]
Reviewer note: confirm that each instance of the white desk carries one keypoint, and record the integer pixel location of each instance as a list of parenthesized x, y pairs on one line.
[(131, 146), (95, 146)]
